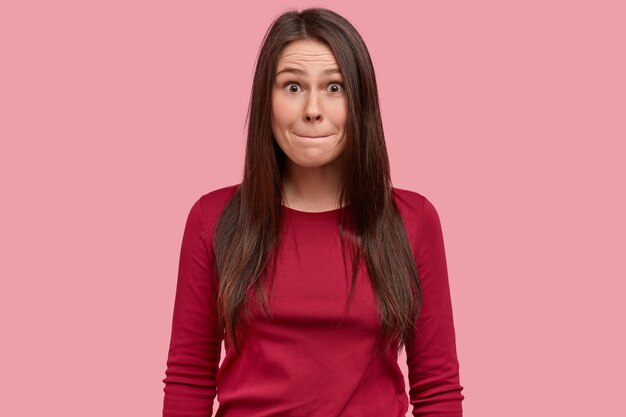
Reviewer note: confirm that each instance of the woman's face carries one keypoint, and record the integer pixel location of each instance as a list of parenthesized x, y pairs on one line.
[(309, 107)]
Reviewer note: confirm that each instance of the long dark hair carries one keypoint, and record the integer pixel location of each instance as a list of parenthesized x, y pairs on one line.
[(247, 232)]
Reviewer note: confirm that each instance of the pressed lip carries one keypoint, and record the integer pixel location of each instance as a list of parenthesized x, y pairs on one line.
[(313, 137)]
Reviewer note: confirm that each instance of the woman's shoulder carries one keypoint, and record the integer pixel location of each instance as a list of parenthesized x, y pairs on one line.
[(219, 195), (212, 203), (414, 207), (409, 202)]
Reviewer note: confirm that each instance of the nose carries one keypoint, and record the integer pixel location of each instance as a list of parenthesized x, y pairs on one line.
[(312, 111)]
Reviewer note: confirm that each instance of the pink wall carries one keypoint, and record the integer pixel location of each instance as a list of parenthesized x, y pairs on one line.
[(115, 116)]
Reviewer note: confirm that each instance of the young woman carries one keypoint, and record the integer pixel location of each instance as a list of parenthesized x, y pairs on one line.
[(314, 270)]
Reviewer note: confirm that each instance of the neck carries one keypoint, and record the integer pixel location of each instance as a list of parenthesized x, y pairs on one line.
[(312, 189)]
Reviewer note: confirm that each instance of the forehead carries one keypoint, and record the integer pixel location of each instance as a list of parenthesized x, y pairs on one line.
[(304, 56)]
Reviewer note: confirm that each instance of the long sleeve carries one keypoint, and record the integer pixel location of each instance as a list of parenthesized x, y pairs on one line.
[(195, 344), (434, 388)]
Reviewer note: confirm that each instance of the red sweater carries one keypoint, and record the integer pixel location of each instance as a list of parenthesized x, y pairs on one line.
[(298, 364)]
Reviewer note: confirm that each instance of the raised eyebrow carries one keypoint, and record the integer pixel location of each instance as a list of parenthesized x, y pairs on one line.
[(299, 71)]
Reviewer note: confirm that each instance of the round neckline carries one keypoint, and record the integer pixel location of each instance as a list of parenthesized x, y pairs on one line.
[(311, 215)]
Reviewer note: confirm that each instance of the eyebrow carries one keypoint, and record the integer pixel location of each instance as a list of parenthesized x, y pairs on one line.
[(302, 72)]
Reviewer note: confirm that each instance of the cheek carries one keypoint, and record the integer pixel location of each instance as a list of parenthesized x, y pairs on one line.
[(283, 111), (340, 114)]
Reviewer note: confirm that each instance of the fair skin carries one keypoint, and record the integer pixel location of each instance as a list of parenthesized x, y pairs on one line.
[(310, 100)]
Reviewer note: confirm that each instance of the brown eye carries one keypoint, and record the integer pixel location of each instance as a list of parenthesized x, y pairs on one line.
[(336, 90), (290, 88)]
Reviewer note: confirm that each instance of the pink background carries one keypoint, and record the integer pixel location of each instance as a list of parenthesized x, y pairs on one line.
[(116, 116)]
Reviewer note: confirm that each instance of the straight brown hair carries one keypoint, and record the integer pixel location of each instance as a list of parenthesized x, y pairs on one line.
[(247, 233)]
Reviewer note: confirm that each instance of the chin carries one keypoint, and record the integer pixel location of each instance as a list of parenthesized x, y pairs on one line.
[(313, 163)]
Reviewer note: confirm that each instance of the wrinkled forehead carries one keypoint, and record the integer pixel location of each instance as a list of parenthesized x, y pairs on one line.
[(307, 57), (303, 72)]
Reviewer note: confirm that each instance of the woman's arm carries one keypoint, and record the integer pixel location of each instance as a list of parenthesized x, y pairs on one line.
[(195, 344), (434, 388)]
